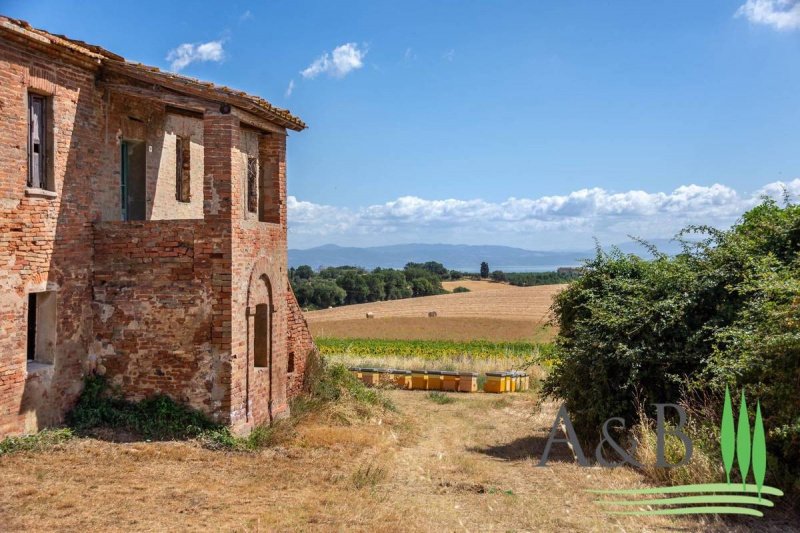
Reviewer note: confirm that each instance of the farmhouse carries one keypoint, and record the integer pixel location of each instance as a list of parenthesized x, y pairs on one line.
[(142, 237)]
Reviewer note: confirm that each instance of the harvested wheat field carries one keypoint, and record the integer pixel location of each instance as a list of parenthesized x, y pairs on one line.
[(500, 313), (463, 466)]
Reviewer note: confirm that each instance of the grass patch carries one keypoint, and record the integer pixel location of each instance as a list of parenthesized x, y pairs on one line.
[(440, 398), (44, 440), (368, 476)]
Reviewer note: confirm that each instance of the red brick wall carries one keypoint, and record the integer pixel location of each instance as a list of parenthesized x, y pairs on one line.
[(159, 306), (301, 344), (45, 243), (154, 300)]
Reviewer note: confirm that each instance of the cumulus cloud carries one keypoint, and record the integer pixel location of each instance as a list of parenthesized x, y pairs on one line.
[(546, 222), (188, 53), (343, 60), (780, 14), (290, 89)]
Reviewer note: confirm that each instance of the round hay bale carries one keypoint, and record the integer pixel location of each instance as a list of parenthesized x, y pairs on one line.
[(432, 314), (370, 315)]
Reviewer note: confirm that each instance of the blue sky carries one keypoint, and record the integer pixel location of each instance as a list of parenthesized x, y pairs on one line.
[(533, 124)]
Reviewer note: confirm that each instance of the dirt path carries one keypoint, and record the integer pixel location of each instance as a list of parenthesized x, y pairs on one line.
[(462, 466)]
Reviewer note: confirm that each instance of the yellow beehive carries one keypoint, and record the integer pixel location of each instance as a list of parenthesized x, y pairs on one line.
[(468, 382), (450, 381), (370, 376), (434, 380), (402, 378), (495, 382), (419, 380)]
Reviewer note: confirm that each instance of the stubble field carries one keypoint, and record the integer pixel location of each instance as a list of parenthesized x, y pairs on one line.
[(490, 311)]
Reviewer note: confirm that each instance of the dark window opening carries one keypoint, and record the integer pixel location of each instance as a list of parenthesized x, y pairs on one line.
[(41, 327), (38, 145), (183, 169), (132, 180), (32, 327), (290, 364), (252, 185), (262, 337)]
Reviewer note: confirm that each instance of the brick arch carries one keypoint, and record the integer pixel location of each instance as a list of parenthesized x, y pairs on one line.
[(260, 288), (261, 328)]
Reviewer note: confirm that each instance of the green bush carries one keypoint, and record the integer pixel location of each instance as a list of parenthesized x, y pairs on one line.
[(460, 289), (726, 311), (155, 418)]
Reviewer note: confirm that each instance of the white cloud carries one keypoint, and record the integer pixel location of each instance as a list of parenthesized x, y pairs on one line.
[(547, 222), (290, 89), (188, 53), (247, 15), (343, 60), (449, 55), (780, 14)]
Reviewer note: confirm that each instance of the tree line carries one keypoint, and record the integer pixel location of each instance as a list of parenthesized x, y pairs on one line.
[(345, 285)]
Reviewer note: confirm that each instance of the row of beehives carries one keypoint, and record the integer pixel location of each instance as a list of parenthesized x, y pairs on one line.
[(443, 380)]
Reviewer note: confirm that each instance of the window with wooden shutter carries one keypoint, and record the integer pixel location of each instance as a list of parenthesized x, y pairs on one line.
[(37, 142), (252, 184), (183, 169)]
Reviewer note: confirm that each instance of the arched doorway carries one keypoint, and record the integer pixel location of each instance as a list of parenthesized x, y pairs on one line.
[(260, 314)]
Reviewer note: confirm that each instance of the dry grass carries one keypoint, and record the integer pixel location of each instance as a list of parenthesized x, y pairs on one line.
[(439, 328), (499, 313), (477, 285), (463, 465), (531, 303)]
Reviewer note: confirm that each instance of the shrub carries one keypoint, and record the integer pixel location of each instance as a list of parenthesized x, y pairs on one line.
[(460, 289), (156, 418), (726, 311)]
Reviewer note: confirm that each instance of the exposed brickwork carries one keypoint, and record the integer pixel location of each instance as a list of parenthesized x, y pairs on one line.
[(162, 305)]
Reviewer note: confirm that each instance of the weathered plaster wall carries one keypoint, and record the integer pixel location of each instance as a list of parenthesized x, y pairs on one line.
[(165, 205), (45, 242)]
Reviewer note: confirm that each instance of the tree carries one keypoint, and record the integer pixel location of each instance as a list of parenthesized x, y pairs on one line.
[(355, 286), (377, 291), (499, 275), (320, 293), (484, 270), (303, 272)]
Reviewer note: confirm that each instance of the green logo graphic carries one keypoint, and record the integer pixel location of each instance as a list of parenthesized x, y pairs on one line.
[(750, 452)]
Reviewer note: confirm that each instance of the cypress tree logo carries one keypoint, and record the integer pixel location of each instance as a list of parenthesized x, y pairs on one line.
[(749, 450)]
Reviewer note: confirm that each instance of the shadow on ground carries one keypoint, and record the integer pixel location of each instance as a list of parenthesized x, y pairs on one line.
[(524, 448)]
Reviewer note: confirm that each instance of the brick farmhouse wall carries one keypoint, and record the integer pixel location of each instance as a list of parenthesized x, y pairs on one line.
[(158, 306)]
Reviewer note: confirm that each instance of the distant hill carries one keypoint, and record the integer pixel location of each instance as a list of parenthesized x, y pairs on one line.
[(454, 256)]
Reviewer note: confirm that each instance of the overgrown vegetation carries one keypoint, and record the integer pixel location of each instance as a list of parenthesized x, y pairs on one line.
[(431, 349), (726, 311), (43, 440), (155, 418), (101, 409)]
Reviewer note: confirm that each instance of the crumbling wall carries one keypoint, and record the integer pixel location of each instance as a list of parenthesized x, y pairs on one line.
[(301, 345), (155, 286)]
